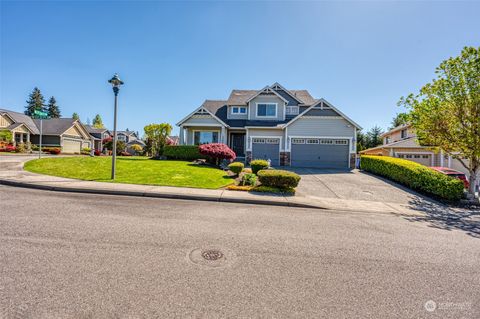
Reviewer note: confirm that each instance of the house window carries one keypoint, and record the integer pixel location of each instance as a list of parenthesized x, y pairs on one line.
[(258, 140), (298, 141), (313, 141), (267, 110), (239, 110), (205, 137), (403, 134), (341, 142)]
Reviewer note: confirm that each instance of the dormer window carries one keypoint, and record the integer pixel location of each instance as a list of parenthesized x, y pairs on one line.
[(403, 133), (266, 109), (239, 110)]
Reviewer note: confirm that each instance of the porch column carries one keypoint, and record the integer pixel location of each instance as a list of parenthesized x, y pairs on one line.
[(181, 137), (223, 135), (28, 137)]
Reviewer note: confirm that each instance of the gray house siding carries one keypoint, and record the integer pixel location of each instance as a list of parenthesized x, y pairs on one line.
[(201, 120), (231, 116), (46, 140), (324, 127), (320, 112), (271, 98), (288, 97)]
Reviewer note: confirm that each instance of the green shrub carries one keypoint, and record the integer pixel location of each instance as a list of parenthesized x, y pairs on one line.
[(257, 165), (21, 148), (182, 152), (278, 178), (86, 151), (249, 179), (414, 176), (236, 167)]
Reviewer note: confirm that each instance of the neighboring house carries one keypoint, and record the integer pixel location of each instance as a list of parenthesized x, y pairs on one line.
[(288, 127), (401, 142), (20, 125), (130, 138), (173, 140), (66, 133), (98, 134)]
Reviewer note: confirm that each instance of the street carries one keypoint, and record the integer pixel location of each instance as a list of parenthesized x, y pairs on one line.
[(66, 255)]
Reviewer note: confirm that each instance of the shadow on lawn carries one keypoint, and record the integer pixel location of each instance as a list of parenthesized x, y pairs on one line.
[(441, 217)]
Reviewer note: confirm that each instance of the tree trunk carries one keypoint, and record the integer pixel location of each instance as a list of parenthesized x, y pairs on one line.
[(473, 181)]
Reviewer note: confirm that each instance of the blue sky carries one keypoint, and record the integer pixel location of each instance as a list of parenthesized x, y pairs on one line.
[(360, 56)]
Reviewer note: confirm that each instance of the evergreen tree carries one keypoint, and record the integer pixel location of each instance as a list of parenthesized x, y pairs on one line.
[(53, 109), (373, 137), (399, 119), (75, 116), (97, 121), (35, 102)]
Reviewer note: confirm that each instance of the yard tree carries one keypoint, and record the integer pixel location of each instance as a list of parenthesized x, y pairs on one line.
[(97, 121), (373, 137), (361, 141), (52, 109), (75, 116), (35, 102), (399, 119), (157, 134), (446, 112)]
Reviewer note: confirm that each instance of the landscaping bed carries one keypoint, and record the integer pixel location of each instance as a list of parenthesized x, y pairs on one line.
[(133, 170)]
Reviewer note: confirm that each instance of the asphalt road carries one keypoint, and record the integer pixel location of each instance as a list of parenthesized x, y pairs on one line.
[(90, 256)]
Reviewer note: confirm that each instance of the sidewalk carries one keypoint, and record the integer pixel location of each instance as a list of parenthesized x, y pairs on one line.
[(12, 173)]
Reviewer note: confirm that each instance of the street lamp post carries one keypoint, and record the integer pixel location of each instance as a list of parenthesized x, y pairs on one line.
[(116, 82)]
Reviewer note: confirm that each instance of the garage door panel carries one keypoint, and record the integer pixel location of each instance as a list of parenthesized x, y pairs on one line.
[(424, 159), (267, 149), (320, 155), (71, 146)]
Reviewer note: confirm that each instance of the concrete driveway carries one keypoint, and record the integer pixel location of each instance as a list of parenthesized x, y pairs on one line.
[(352, 185)]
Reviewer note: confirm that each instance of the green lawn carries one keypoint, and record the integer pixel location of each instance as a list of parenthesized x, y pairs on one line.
[(132, 170)]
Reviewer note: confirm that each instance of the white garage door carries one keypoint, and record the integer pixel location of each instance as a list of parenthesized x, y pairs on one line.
[(71, 146), (424, 159)]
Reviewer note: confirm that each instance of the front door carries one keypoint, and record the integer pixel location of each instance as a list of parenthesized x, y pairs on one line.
[(238, 144)]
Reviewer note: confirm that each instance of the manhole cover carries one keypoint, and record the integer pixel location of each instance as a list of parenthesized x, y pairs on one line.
[(212, 254), (211, 257)]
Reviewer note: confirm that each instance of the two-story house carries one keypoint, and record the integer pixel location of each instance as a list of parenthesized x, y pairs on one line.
[(401, 142), (288, 127)]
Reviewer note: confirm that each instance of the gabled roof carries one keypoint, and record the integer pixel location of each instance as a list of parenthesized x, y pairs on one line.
[(266, 89), (92, 129), (410, 142), (210, 106), (58, 126), (21, 118), (330, 106), (276, 84), (396, 129)]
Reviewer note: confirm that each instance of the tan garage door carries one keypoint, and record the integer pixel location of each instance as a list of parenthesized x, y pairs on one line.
[(424, 159), (71, 146)]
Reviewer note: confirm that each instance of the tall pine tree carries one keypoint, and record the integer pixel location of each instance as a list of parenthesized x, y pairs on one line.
[(35, 102), (53, 109), (75, 116)]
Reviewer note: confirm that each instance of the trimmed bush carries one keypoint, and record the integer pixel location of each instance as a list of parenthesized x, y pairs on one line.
[(278, 178), (182, 152), (236, 167), (258, 164), (249, 179), (217, 151), (414, 176)]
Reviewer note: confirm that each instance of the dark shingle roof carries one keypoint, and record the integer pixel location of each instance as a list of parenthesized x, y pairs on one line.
[(22, 118), (55, 126), (91, 129), (240, 97)]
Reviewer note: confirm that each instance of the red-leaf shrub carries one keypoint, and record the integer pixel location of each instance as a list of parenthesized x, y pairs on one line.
[(217, 151), (8, 148), (54, 151), (97, 152)]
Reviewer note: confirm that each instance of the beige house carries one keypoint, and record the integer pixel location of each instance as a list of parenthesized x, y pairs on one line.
[(401, 142), (20, 125)]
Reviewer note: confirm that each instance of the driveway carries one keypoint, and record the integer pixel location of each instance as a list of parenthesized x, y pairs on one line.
[(352, 185)]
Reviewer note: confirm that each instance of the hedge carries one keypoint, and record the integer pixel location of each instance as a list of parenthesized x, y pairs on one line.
[(182, 152), (278, 178), (257, 165), (414, 176)]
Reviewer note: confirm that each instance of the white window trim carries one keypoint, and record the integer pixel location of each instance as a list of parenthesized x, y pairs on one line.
[(232, 108), (218, 131), (268, 116)]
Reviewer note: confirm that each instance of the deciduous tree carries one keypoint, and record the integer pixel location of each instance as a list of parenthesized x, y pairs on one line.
[(446, 112), (157, 134)]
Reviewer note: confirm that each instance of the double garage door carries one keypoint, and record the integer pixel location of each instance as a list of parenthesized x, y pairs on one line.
[(424, 159), (320, 153), (305, 152)]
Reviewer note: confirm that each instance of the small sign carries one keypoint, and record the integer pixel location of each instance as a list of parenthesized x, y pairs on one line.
[(40, 113)]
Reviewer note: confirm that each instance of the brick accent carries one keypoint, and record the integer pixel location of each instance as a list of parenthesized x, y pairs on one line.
[(352, 161), (285, 159)]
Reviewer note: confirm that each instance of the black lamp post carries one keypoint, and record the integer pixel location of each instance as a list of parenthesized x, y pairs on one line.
[(116, 82)]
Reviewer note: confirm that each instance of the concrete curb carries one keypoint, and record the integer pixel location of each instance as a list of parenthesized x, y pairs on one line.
[(156, 195)]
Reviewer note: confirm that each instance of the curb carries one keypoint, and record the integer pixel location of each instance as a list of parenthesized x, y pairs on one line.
[(155, 195)]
